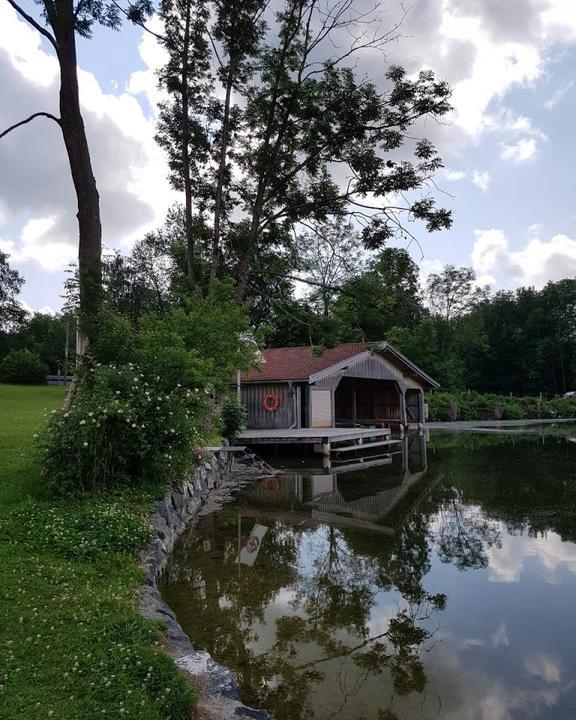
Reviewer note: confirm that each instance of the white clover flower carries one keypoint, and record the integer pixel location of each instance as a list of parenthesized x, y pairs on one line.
[(82, 422)]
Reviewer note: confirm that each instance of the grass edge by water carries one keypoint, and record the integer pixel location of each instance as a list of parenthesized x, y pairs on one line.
[(73, 644)]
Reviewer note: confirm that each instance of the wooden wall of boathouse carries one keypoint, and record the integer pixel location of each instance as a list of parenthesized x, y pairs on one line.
[(287, 414)]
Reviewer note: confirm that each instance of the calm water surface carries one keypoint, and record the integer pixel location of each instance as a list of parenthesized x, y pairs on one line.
[(440, 585)]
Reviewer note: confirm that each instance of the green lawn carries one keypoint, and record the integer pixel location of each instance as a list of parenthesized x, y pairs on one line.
[(71, 643), (22, 412)]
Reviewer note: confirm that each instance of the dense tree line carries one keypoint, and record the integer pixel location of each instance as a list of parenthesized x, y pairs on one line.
[(322, 291)]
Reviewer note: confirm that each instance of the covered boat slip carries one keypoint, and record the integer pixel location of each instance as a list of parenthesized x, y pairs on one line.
[(352, 386), (337, 498)]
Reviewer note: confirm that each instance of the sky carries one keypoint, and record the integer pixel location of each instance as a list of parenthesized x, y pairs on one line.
[(508, 145)]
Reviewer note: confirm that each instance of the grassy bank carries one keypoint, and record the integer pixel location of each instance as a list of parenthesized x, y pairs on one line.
[(487, 406), (72, 645)]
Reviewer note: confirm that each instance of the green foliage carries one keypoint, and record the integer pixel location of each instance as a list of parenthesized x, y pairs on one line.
[(383, 297), (512, 411), (11, 312), (22, 367), (144, 404), (124, 428), (214, 331), (452, 292), (470, 405), (97, 528), (419, 344), (233, 418), (45, 336)]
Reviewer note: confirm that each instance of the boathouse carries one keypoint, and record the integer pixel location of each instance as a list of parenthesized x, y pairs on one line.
[(347, 386)]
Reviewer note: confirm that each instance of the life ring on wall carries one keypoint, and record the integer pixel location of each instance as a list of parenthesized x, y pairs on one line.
[(271, 403), (272, 484)]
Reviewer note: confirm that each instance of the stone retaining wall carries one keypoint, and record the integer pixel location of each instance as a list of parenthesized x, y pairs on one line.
[(204, 491)]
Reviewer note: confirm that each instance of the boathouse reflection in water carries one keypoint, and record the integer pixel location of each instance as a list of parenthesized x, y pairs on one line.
[(351, 493), (303, 615)]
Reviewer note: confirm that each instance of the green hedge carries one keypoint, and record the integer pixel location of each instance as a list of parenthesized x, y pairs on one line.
[(22, 367), (488, 406)]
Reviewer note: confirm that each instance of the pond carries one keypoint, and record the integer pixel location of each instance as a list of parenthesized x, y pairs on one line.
[(440, 583)]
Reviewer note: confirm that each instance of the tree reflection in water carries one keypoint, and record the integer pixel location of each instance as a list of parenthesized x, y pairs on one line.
[(329, 615)]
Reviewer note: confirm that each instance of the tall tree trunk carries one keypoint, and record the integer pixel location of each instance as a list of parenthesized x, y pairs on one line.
[(265, 160), (186, 152), (89, 225), (221, 173), (243, 272), (245, 257)]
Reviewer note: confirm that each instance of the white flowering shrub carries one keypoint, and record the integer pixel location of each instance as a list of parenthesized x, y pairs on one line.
[(126, 427)]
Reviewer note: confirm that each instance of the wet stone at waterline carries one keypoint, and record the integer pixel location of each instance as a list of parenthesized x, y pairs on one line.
[(437, 584)]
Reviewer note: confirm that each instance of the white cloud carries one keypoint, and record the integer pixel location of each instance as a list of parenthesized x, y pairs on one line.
[(454, 175), (522, 151), (500, 637), (535, 264), (487, 249), (544, 666), (483, 280), (558, 94), (521, 124), (45, 310), (507, 562), (481, 179), (22, 43), (154, 56), (428, 267), (38, 201), (35, 245)]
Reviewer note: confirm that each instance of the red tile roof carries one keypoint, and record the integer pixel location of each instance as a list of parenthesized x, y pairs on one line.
[(298, 363)]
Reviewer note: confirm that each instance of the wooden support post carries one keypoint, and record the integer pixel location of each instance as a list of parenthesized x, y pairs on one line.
[(403, 417)]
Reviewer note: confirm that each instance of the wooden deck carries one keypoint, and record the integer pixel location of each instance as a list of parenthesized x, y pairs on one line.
[(312, 436), (322, 440)]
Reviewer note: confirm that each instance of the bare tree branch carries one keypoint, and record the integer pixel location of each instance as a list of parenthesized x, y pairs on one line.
[(35, 24), (29, 119), (136, 22)]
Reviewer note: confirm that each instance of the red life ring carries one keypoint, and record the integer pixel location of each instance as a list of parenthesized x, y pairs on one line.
[(271, 403), (272, 483)]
